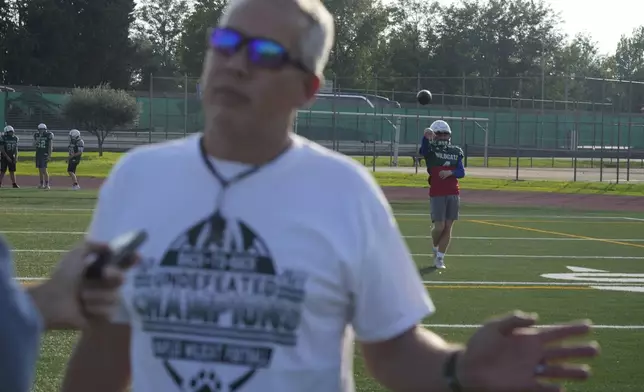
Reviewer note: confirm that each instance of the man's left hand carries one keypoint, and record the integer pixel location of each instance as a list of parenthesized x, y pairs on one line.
[(444, 174), (508, 354)]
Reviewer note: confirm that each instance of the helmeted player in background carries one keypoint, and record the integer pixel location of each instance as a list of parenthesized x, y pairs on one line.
[(8, 154), (445, 166), (44, 143), (76, 147)]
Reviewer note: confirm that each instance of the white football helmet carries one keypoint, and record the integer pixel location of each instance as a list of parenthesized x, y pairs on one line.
[(74, 134), (42, 127), (442, 131), (9, 129)]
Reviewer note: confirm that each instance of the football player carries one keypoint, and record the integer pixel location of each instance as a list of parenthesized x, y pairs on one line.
[(76, 147), (44, 143), (8, 154), (444, 166)]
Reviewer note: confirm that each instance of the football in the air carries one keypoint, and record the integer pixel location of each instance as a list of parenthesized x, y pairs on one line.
[(424, 97)]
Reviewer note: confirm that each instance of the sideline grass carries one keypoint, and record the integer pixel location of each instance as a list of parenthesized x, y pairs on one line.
[(91, 165), (474, 183), (95, 166)]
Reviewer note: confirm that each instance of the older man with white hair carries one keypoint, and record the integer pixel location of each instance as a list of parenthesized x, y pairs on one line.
[(274, 252)]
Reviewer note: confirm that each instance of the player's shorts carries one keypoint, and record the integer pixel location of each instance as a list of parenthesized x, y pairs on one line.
[(41, 161), (444, 208), (6, 165), (72, 165)]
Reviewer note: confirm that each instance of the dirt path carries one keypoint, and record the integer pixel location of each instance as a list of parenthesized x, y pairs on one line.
[(496, 198)]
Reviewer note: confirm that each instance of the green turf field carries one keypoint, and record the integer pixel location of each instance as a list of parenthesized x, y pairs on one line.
[(496, 263)]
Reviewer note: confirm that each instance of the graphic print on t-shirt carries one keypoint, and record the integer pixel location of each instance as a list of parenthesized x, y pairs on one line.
[(217, 299)]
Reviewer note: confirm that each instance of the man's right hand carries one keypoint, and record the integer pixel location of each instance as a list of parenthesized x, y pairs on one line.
[(429, 134)]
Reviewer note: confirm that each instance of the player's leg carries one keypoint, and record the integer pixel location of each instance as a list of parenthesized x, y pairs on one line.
[(451, 216), (46, 173), (3, 168), (12, 173), (71, 170), (438, 212), (445, 239), (40, 171)]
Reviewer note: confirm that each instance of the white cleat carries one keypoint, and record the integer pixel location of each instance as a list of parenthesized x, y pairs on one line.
[(47, 187), (439, 263), (76, 187)]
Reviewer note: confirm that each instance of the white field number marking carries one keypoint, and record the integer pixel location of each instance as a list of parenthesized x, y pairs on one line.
[(602, 280)]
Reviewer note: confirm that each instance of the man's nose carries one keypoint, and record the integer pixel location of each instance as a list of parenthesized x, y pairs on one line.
[(237, 63)]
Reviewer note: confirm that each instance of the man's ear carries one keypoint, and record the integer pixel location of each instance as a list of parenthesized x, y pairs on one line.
[(312, 88)]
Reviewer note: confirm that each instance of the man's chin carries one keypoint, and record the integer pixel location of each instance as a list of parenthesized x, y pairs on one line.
[(230, 116)]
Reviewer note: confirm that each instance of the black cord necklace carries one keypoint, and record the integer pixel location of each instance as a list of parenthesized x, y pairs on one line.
[(224, 182)]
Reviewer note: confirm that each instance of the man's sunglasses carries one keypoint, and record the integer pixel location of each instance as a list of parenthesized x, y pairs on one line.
[(262, 52)]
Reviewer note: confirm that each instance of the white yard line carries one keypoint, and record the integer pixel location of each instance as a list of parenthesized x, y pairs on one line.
[(536, 256), (54, 209), (54, 232), (473, 326), (42, 232), (6, 208), (522, 216), (429, 255), (532, 238), (481, 283), (449, 282), (40, 250)]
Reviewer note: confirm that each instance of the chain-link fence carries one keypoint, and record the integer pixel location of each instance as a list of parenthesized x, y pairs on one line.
[(587, 128), (173, 105)]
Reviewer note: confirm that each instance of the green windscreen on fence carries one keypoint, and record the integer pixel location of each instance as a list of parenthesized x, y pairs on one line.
[(178, 113)]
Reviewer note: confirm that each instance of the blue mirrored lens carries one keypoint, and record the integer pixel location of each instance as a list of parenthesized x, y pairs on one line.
[(225, 40), (267, 53)]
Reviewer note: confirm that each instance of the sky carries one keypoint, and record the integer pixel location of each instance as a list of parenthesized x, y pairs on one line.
[(605, 21)]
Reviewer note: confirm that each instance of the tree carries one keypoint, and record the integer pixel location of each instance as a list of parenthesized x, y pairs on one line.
[(101, 110), (65, 43), (360, 29), (193, 42), (572, 65), (500, 42), (410, 47), (102, 45), (629, 62), (160, 23)]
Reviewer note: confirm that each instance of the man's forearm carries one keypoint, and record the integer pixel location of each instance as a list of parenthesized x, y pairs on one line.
[(45, 299), (100, 361), (415, 363)]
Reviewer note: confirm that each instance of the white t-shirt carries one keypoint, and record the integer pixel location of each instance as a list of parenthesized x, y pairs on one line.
[(265, 294)]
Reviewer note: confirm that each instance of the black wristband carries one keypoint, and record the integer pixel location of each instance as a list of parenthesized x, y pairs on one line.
[(450, 372)]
